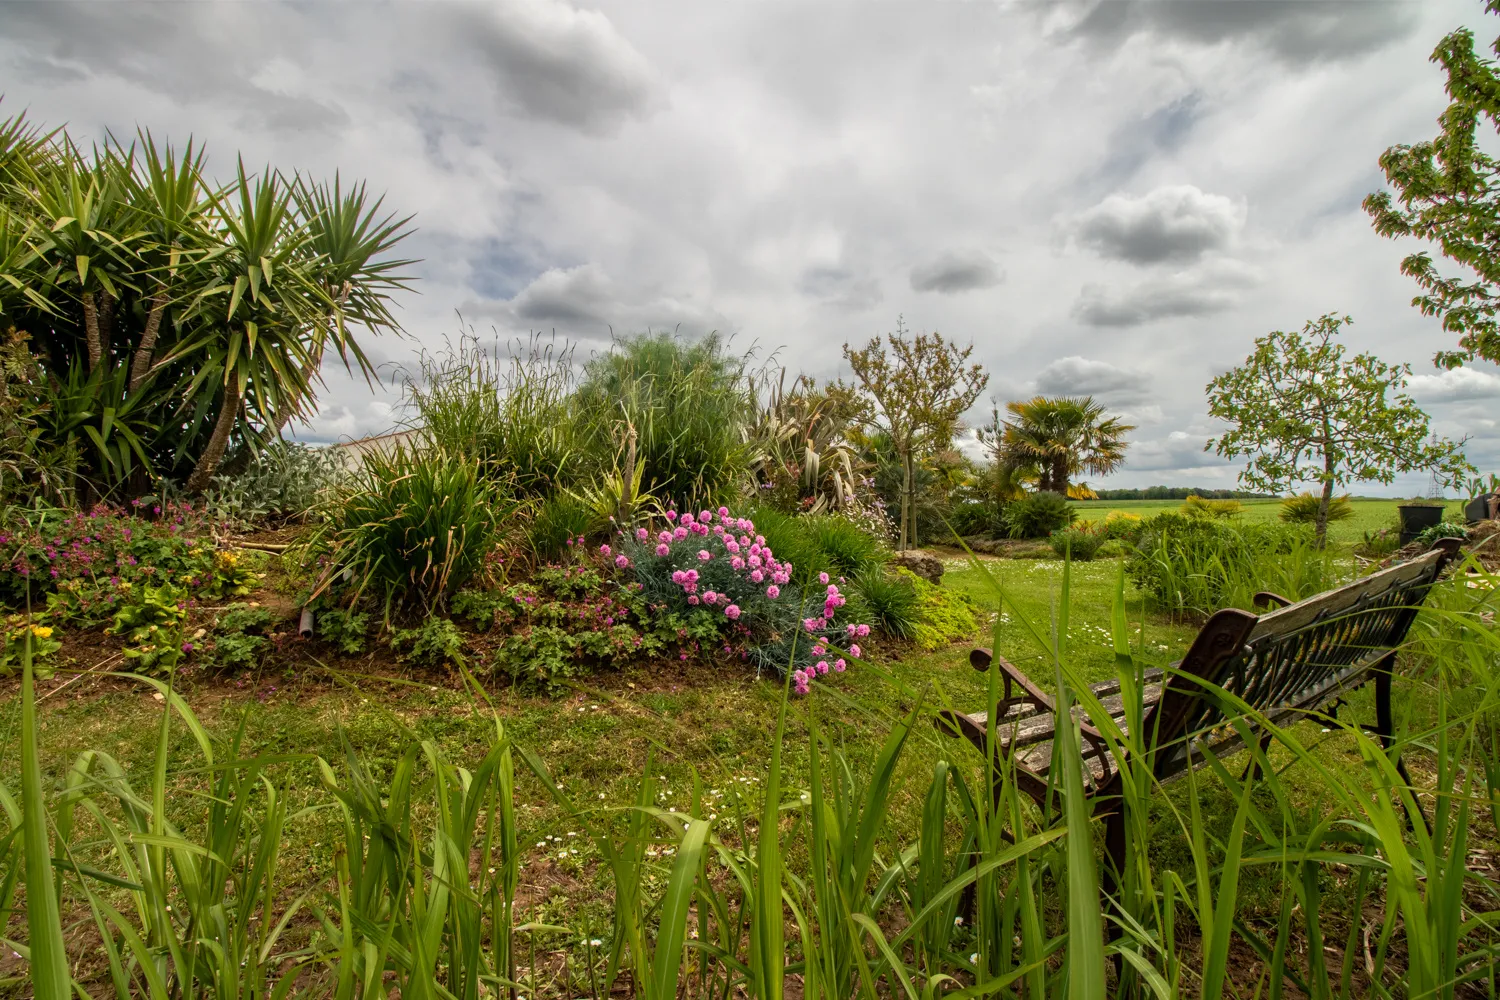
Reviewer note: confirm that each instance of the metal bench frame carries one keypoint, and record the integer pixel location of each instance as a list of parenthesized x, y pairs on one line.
[(1284, 664)]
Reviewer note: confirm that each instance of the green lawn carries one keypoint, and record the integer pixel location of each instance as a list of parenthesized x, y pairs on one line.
[(1369, 513)]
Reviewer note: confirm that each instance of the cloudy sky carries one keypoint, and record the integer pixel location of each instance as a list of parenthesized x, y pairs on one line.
[(1108, 197)]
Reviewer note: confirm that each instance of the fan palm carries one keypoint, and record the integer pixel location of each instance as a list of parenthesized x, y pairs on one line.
[(1060, 437)]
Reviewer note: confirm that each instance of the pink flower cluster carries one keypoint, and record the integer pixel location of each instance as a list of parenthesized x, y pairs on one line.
[(749, 557)]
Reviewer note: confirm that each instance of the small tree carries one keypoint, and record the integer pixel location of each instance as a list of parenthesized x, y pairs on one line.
[(917, 392), (1308, 414), (1448, 192)]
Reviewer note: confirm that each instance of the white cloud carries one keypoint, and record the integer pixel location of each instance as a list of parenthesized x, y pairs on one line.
[(1173, 224), (1456, 385)]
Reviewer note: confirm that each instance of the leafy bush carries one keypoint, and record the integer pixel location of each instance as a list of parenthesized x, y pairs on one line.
[(1038, 515), (151, 618), (975, 517), (1120, 526), (944, 617), (890, 602), (1196, 506), (239, 636), (1112, 548), (1443, 529), (1303, 509), (86, 555), (560, 522), (434, 642), (1081, 546), (344, 628), (44, 646), (1200, 565), (412, 526), (685, 401), (284, 482)]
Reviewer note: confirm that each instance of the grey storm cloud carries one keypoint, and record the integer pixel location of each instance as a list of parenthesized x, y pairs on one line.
[(1298, 33), (837, 286), (582, 295), (1079, 376), (586, 303), (956, 271), (1170, 224), (1202, 291), (555, 62)]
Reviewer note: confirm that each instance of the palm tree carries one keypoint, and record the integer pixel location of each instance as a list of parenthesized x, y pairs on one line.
[(1059, 437)]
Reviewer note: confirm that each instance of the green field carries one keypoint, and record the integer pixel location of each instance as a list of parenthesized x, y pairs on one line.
[(1370, 513)]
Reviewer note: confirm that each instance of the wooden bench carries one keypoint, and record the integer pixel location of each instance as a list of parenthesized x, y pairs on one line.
[(1284, 664)]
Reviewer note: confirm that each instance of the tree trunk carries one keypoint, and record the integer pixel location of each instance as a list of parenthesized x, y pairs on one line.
[(905, 498), (1060, 475), (1321, 522), (141, 366), (208, 462), (91, 331), (107, 303)]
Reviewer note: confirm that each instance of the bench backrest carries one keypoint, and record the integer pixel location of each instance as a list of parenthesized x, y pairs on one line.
[(1299, 656)]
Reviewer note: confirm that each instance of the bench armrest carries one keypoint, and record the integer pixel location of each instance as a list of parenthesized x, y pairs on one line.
[(1266, 598), (1012, 676)]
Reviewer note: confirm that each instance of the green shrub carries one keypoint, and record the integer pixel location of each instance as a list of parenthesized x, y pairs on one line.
[(975, 517), (787, 536), (346, 629), (844, 549), (1303, 509), (1196, 506), (558, 524), (412, 527), (434, 642), (1443, 529), (1081, 546), (889, 602), (1038, 515), (687, 402), (239, 636), (944, 617), (1119, 526), (1199, 565), (285, 481), (150, 618), (1112, 548), (44, 646)]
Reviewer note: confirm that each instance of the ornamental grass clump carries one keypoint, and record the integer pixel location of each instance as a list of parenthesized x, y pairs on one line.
[(717, 562)]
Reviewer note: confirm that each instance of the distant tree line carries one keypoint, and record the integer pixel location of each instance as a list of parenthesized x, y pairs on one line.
[(1180, 493)]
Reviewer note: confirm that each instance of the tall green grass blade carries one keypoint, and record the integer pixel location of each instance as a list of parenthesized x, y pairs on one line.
[(48, 962)]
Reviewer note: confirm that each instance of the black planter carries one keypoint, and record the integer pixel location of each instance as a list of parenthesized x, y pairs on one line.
[(1417, 518), (1478, 509)]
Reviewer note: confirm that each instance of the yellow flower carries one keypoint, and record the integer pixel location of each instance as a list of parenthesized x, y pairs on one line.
[(41, 631)]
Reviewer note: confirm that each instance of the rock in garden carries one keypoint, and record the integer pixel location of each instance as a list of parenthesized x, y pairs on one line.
[(926, 565)]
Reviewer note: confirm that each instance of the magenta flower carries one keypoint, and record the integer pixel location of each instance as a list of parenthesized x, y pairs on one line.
[(854, 651), (679, 533), (756, 576), (692, 575), (822, 577), (705, 516), (641, 534), (822, 666), (710, 596), (692, 598), (818, 650), (604, 549), (678, 576), (737, 563), (838, 665), (723, 511), (773, 591), (732, 612), (621, 561), (811, 624), (671, 515), (663, 549), (863, 631), (704, 555)]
